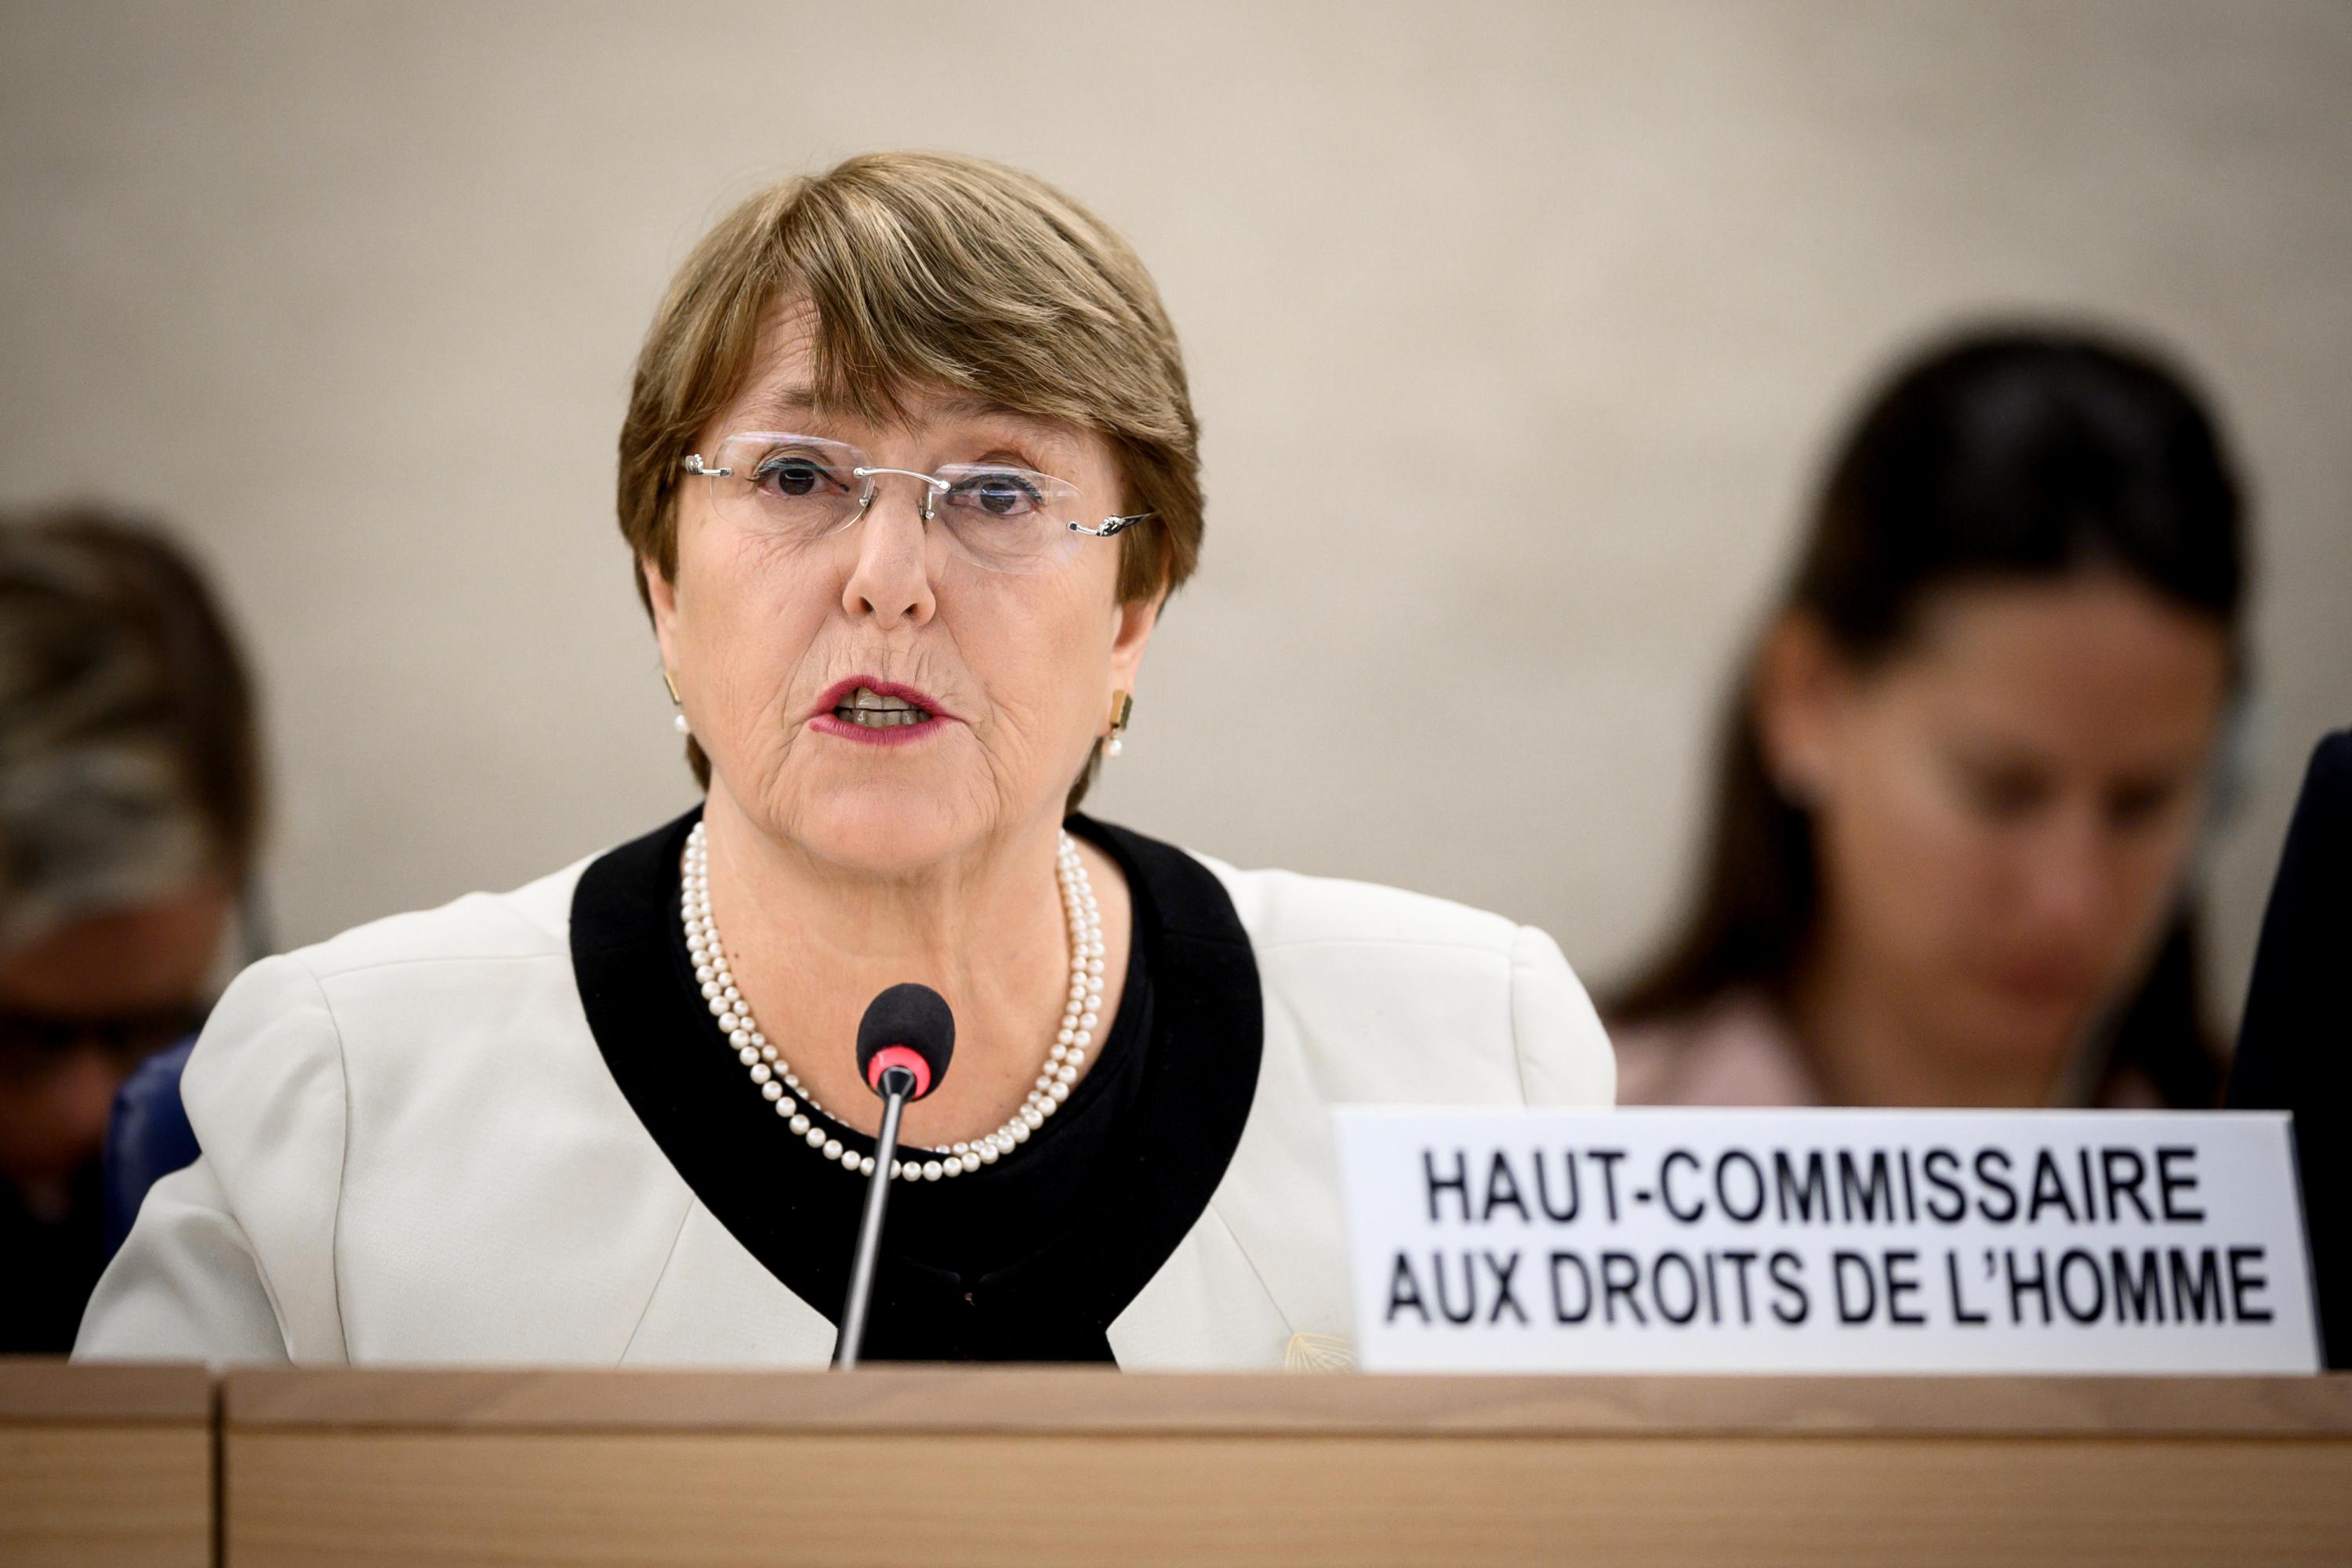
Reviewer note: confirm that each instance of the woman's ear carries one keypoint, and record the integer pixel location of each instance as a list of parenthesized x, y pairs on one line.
[(1131, 626), (661, 596), (1794, 693)]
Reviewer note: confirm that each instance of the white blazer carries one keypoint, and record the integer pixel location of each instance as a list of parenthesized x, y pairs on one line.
[(414, 1152)]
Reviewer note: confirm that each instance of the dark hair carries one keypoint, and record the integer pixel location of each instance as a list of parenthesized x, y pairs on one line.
[(2005, 453), (116, 637)]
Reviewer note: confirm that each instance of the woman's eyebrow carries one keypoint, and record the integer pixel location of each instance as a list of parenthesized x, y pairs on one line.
[(795, 406), (966, 405), (1037, 430), (784, 403)]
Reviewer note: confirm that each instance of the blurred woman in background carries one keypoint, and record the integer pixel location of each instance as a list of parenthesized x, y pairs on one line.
[(130, 807), (1966, 769)]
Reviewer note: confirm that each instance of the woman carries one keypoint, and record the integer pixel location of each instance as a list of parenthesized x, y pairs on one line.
[(1969, 764), (907, 471)]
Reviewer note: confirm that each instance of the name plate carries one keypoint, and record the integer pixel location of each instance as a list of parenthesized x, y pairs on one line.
[(1825, 1241)]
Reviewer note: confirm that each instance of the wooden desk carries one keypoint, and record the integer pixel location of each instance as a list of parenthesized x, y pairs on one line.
[(1015, 1467), (105, 1463)]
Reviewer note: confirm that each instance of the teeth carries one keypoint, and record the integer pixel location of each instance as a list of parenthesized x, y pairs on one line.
[(873, 701), (872, 710)]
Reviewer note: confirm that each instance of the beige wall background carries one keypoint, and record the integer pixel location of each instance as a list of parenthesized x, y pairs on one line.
[(349, 294)]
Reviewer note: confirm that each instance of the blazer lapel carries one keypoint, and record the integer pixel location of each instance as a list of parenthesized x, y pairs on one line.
[(1267, 1261), (716, 1305)]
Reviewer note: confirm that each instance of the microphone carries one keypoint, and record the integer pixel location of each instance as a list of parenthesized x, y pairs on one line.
[(906, 1027), (904, 1044)]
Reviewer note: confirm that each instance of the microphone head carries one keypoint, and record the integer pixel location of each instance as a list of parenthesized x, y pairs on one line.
[(907, 1027)]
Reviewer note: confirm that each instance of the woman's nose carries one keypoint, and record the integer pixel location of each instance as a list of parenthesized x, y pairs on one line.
[(2069, 876), (891, 581)]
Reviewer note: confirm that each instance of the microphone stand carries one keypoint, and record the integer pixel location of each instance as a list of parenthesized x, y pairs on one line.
[(896, 1085)]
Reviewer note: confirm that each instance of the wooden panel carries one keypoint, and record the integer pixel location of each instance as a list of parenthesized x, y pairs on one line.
[(105, 1465), (1043, 1399), (378, 1498), (1047, 1465), (50, 1388)]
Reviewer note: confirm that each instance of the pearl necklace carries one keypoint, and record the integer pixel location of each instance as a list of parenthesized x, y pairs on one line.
[(782, 1088)]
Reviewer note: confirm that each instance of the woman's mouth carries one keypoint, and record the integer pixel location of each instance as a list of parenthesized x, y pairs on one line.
[(2041, 985), (876, 712)]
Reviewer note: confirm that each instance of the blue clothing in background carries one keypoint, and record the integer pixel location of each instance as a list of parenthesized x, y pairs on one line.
[(147, 1137)]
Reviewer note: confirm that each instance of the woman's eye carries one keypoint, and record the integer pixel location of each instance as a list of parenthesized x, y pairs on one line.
[(1004, 494), (2136, 805), (792, 476), (2005, 795)]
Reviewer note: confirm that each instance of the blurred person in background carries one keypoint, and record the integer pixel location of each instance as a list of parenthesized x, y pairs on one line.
[(1967, 769), (130, 807)]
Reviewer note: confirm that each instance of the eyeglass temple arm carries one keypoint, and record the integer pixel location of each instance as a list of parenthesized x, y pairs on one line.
[(1111, 525), (692, 464)]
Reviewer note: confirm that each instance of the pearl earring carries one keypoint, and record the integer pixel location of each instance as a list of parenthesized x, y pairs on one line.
[(1122, 705), (678, 720)]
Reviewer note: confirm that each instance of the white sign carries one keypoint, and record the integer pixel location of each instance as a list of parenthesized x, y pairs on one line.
[(1825, 1241)]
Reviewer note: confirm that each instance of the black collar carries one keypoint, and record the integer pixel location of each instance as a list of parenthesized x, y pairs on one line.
[(1028, 1259)]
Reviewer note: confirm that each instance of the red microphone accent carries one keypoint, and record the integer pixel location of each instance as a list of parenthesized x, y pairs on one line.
[(900, 1057)]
